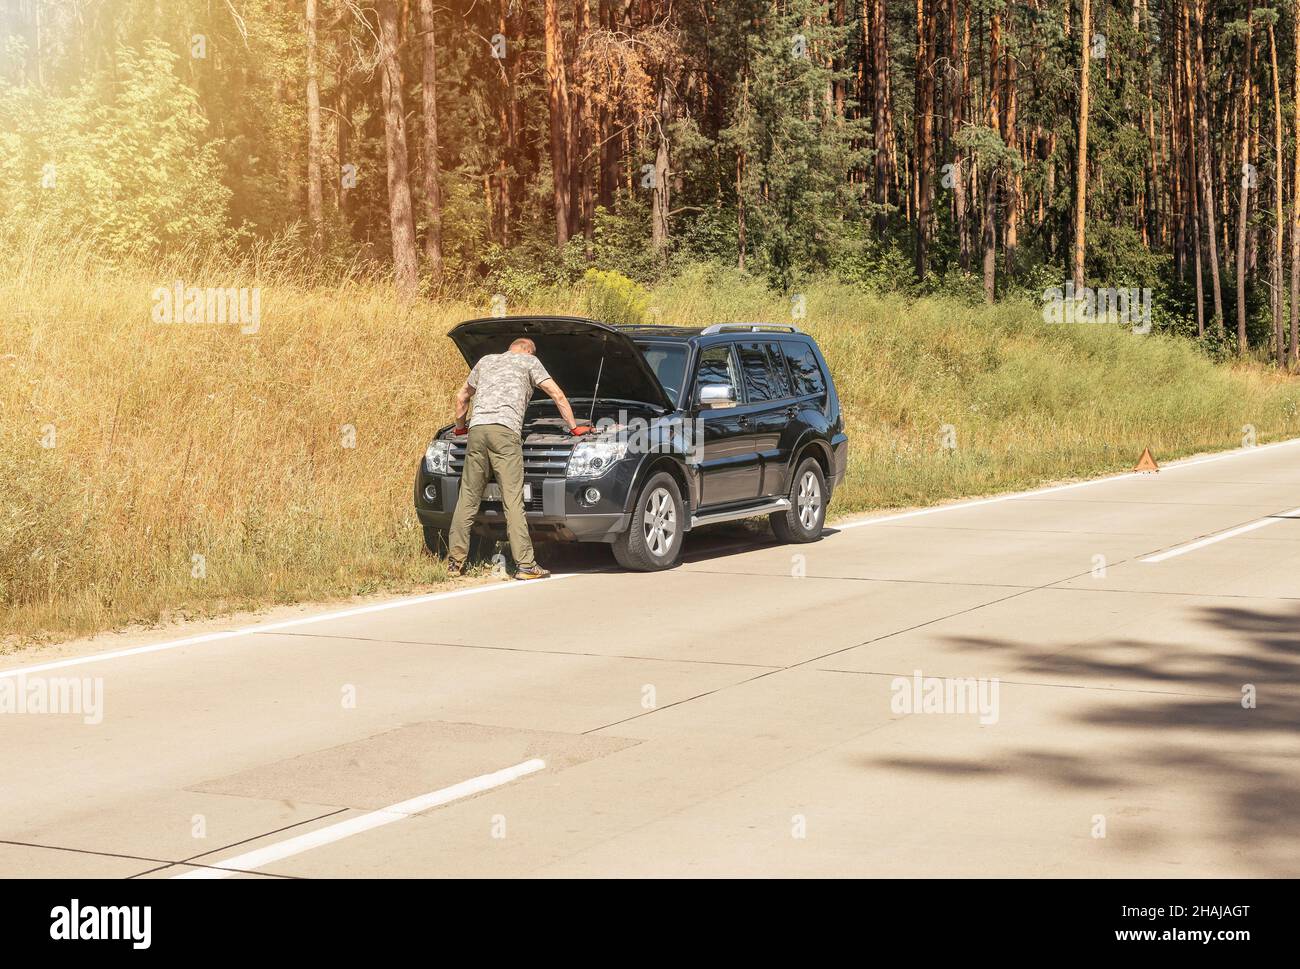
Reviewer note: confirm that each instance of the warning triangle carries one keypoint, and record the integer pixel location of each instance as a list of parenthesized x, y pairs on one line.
[(1147, 462)]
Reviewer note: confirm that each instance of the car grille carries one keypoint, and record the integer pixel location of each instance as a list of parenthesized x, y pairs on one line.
[(540, 460)]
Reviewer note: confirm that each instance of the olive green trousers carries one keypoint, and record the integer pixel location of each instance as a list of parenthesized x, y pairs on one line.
[(492, 451)]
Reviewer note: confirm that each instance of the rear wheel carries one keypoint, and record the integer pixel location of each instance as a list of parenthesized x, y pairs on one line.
[(802, 521), (653, 541)]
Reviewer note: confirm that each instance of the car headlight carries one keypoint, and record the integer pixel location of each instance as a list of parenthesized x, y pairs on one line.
[(592, 458), (437, 457)]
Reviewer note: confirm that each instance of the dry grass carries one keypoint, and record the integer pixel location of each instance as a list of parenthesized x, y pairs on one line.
[(172, 441)]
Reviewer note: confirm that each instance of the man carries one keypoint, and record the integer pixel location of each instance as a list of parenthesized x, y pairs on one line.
[(501, 385)]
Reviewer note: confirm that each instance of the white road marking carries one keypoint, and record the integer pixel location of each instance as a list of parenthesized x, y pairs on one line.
[(956, 506), (977, 502), (1235, 453), (1211, 539), (273, 626), (261, 857), (433, 597)]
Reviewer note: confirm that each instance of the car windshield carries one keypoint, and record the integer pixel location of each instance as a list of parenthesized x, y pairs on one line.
[(668, 361)]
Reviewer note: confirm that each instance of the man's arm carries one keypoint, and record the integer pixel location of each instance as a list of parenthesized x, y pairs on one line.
[(553, 391), (462, 404)]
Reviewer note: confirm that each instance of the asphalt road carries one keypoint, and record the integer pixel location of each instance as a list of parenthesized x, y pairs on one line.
[(1100, 679)]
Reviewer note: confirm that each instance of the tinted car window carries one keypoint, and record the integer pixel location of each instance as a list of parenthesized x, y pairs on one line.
[(716, 368), (759, 380), (776, 361), (805, 370), (668, 363)]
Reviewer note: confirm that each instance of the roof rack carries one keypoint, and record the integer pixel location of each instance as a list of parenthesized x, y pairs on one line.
[(749, 328)]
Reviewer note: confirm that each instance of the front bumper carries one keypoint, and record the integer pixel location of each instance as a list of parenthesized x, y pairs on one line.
[(557, 510)]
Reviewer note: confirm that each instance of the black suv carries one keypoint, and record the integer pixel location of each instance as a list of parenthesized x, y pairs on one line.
[(696, 426)]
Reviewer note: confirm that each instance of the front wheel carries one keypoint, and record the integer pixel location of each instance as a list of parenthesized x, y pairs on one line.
[(654, 539), (802, 521)]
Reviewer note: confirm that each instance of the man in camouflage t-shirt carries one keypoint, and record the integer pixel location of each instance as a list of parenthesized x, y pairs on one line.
[(501, 385)]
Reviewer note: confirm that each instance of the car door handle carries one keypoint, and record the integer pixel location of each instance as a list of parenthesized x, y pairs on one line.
[(743, 421)]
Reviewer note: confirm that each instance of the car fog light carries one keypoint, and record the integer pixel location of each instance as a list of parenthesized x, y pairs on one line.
[(591, 495), (431, 492)]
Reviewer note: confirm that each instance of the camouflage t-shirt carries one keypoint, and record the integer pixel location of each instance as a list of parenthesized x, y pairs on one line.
[(503, 384)]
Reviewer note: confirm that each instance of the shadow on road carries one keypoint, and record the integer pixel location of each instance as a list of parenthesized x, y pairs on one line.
[(1240, 766), (703, 544)]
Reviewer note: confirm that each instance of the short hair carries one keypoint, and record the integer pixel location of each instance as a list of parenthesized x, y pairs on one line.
[(525, 344)]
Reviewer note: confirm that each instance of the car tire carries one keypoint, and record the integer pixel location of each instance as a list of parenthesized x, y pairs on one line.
[(802, 522), (653, 540)]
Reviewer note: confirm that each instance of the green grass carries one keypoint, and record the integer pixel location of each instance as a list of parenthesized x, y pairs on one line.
[(176, 441)]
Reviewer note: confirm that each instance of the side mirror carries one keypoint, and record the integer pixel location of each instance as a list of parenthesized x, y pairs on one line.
[(717, 395)]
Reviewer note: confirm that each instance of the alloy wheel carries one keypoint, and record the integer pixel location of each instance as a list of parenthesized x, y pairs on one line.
[(809, 500), (660, 522)]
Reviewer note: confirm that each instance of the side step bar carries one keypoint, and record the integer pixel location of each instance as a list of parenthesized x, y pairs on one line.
[(750, 511)]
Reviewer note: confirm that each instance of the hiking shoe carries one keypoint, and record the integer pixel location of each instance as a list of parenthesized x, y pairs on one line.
[(455, 567), (533, 572)]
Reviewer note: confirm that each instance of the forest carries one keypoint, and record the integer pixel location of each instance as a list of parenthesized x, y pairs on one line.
[(987, 149), (936, 190)]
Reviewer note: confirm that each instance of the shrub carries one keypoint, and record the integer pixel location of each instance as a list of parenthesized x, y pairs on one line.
[(613, 298), (124, 159)]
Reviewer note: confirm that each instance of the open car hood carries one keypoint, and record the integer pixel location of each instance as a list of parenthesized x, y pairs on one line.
[(571, 349)]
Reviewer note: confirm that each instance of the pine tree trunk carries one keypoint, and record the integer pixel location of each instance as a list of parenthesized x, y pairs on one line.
[(662, 195), (1275, 265), (1193, 179), (924, 133), (740, 210), (513, 162), (401, 214), (558, 99), (1012, 139), (883, 135), (960, 79), (1243, 196), (343, 134), (991, 237), (1049, 182), (315, 213), (963, 219), (432, 180), (1081, 169), (609, 159), (583, 162), (1294, 354), (1206, 179)]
